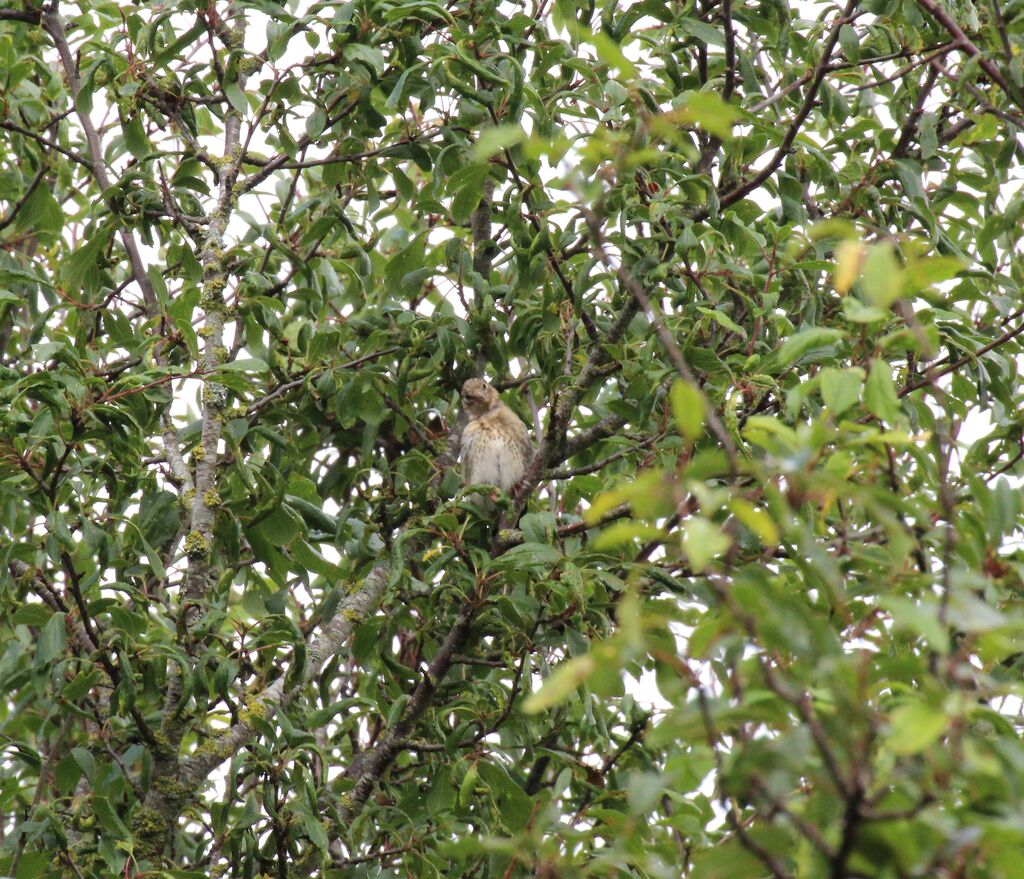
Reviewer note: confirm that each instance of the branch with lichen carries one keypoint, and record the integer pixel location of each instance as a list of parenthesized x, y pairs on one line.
[(168, 794), (177, 782), (212, 257), (279, 693)]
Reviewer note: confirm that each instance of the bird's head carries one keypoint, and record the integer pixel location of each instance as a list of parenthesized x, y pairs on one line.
[(479, 398)]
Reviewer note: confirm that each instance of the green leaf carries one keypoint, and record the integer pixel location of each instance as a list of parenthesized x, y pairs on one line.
[(880, 393), (516, 806), (803, 343), (467, 787), (703, 541), (494, 140), (688, 409), (369, 56), (316, 123), (528, 555), (84, 259), (135, 137), (67, 774), (108, 818), (314, 830), (703, 31), (236, 97), (81, 684), (86, 762), (41, 212), (914, 728), (407, 260), (849, 43), (468, 193), (32, 615), (8, 298), (244, 364), (52, 640), (840, 388), (723, 320)]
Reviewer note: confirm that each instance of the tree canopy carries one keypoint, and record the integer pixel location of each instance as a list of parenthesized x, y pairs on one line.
[(750, 270)]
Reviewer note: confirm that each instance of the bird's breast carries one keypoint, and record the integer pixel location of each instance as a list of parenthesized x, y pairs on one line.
[(491, 455)]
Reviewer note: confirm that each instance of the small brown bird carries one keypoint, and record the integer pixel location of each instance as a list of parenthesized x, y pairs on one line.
[(496, 447)]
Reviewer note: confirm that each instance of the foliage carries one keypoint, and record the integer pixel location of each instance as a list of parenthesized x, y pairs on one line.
[(753, 270)]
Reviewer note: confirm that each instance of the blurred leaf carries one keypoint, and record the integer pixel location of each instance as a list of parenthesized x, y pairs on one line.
[(880, 392), (882, 275), (840, 389), (624, 532), (709, 111), (494, 140), (756, 520), (703, 541), (561, 684), (688, 409), (915, 727), (849, 257)]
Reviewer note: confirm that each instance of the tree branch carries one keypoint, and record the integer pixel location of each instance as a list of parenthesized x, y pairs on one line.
[(810, 98), (956, 364), (13, 213), (7, 125), (637, 291), (350, 613), (29, 16), (55, 28), (964, 43)]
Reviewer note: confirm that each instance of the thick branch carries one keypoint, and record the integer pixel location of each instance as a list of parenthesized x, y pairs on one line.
[(350, 613), (29, 16), (199, 542)]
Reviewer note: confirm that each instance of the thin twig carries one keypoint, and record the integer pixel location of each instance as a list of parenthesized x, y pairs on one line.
[(748, 186), (54, 26), (964, 43), (636, 289)]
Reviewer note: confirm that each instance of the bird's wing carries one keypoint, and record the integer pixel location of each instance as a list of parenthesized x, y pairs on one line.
[(526, 446), (466, 453), (521, 446)]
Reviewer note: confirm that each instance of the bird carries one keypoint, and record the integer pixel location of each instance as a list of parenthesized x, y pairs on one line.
[(495, 448)]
